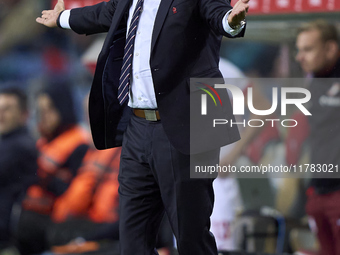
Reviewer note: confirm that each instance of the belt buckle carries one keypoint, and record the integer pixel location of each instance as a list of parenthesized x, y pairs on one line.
[(150, 115)]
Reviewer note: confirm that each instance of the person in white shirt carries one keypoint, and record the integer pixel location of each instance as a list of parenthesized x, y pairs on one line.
[(140, 99)]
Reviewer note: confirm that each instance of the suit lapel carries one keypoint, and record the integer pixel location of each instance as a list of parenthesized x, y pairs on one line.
[(121, 10), (160, 18)]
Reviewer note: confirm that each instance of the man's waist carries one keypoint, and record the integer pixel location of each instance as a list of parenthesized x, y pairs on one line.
[(148, 114)]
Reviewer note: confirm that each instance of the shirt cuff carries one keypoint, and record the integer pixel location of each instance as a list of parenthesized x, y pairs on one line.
[(228, 29), (64, 19)]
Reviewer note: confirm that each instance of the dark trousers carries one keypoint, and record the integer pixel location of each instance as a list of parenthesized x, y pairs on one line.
[(155, 178), (325, 210)]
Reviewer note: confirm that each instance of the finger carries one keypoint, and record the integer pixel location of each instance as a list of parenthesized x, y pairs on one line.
[(61, 4), (40, 20), (247, 7), (239, 12), (243, 9), (45, 16), (245, 1), (46, 11)]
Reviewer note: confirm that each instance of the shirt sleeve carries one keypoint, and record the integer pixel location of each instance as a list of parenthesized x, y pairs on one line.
[(228, 29), (64, 19)]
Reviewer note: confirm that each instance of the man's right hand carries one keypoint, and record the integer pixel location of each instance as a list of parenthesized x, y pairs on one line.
[(238, 13), (49, 17)]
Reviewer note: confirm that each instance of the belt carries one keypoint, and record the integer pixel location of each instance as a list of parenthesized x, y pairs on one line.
[(151, 115)]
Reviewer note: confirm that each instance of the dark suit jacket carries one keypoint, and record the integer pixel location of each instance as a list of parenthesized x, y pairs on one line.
[(185, 44)]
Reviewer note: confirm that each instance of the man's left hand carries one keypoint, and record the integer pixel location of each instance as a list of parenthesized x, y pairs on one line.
[(238, 13)]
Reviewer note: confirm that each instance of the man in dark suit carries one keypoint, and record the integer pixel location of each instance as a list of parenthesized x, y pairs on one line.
[(141, 93)]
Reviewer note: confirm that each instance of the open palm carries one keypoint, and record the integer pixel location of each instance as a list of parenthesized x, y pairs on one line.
[(49, 17)]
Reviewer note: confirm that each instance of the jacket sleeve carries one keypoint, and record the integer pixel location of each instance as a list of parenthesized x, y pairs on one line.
[(93, 19), (213, 11)]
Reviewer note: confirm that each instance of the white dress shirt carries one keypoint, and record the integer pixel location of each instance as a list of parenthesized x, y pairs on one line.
[(142, 93)]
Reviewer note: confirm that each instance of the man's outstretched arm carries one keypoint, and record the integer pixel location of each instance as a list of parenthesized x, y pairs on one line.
[(85, 20), (223, 18)]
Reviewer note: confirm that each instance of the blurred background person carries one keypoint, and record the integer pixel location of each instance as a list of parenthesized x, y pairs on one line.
[(18, 157), (318, 55), (90, 203), (62, 146), (86, 216), (229, 203)]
